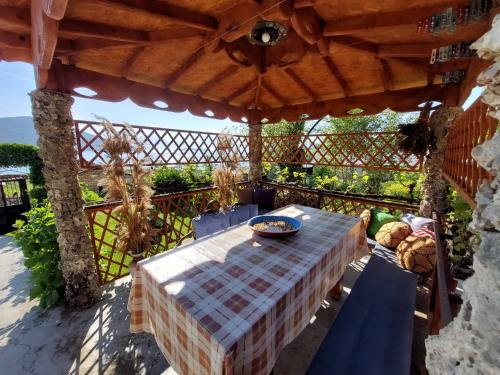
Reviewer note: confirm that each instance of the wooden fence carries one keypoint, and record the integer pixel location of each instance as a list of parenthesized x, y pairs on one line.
[(161, 146), (173, 214), (369, 150), (472, 128)]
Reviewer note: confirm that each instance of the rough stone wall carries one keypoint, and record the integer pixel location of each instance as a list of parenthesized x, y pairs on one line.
[(471, 343), (255, 141), (54, 124), (434, 186)]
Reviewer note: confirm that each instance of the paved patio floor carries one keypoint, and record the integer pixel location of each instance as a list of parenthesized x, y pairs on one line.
[(97, 340)]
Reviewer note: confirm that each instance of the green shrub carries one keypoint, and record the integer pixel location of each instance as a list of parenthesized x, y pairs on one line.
[(38, 193), (168, 180), (38, 240), (395, 189), (19, 155), (459, 216), (90, 196)]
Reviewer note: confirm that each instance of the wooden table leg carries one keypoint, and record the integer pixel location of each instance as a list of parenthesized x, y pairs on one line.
[(336, 291)]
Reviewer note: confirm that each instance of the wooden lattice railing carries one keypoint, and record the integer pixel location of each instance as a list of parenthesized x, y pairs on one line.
[(370, 150), (161, 146), (348, 204), (472, 128), (173, 214)]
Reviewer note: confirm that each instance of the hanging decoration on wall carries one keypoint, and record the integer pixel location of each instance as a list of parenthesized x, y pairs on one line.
[(454, 76), (454, 17), (453, 51)]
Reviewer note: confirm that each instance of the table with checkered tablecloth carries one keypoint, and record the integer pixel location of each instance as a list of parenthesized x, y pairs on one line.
[(229, 303)]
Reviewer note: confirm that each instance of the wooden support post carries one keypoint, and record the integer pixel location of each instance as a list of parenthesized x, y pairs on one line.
[(255, 143), (54, 125), (336, 291), (434, 185)]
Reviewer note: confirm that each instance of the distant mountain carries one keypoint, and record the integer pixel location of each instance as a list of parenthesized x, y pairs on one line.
[(17, 130), (22, 130)]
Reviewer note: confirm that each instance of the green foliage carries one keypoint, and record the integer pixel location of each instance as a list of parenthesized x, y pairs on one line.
[(38, 240), (19, 155), (168, 180), (325, 182), (90, 196), (459, 216), (385, 121), (283, 128), (195, 176), (38, 193)]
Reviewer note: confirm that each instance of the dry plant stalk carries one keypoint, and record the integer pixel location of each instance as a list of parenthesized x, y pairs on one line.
[(227, 176), (134, 234)]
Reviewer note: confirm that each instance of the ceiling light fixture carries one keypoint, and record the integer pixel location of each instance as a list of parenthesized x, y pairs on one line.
[(266, 33)]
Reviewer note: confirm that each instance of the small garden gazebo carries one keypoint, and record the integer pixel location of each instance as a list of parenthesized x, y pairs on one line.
[(253, 62)]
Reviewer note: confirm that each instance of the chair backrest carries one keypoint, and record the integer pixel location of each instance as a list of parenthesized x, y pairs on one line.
[(205, 225), (242, 212)]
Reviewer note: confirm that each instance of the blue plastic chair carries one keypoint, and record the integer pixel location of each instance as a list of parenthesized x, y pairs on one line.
[(205, 225), (243, 212)]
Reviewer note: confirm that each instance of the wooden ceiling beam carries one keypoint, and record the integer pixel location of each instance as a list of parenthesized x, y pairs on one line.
[(14, 41), (295, 77), (44, 31), (127, 68), (371, 49), (54, 9), (299, 4), (72, 29), (82, 45), (193, 59), (271, 90), (15, 18), (385, 75), (240, 91), (171, 13), (15, 54), (258, 89), (378, 20), (422, 50), (337, 75), (225, 74)]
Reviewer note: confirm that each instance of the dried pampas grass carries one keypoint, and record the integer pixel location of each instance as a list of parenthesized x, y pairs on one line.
[(134, 234), (226, 176)]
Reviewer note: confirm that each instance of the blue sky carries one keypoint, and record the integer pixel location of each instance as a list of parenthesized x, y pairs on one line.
[(17, 79)]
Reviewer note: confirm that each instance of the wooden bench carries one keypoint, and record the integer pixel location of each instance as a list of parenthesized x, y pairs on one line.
[(373, 331)]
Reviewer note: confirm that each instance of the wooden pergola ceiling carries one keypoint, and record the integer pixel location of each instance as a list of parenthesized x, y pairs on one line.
[(194, 54)]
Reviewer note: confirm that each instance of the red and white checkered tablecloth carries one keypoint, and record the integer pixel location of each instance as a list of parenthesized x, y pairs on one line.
[(228, 303)]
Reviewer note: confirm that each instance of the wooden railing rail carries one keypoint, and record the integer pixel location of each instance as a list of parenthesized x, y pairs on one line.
[(440, 301), (349, 204), (472, 128)]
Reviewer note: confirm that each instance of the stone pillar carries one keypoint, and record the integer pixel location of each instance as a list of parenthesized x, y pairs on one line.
[(471, 343), (434, 185), (255, 143), (54, 124)]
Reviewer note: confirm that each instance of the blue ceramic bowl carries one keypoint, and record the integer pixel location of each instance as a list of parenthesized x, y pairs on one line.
[(296, 224)]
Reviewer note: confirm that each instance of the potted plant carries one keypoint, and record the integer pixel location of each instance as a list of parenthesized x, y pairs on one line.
[(134, 234)]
